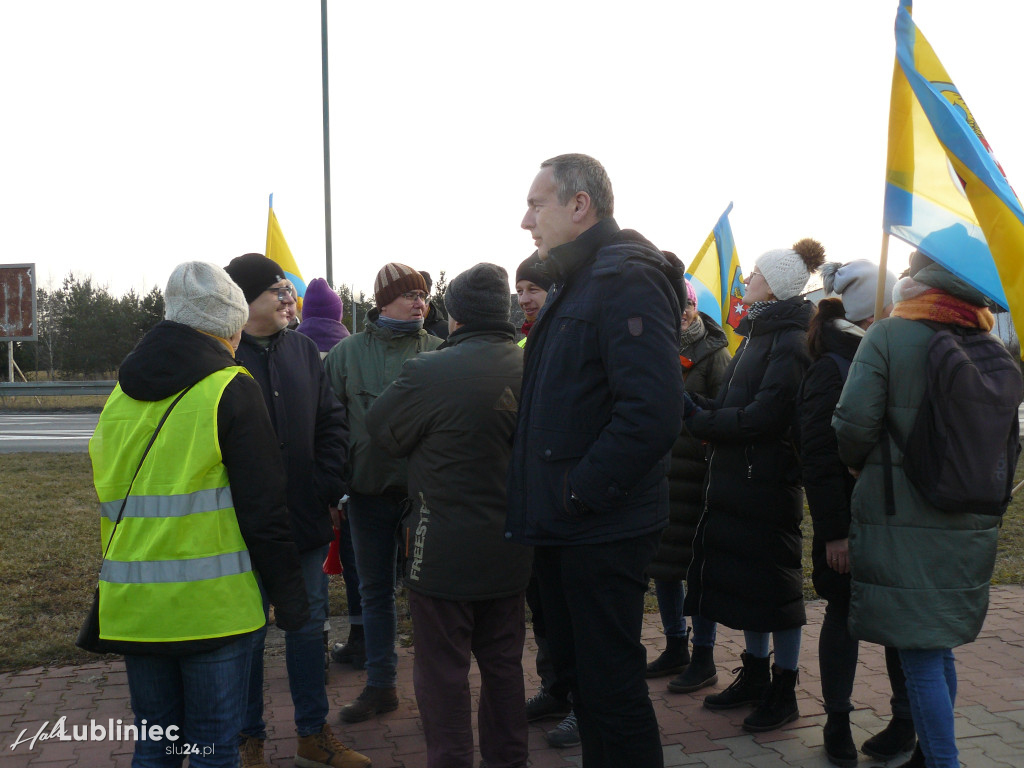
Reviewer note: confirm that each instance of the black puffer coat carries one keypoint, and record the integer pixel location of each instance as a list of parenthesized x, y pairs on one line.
[(703, 373), (745, 571), (827, 482)]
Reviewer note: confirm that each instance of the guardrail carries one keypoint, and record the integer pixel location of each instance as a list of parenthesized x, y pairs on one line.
[(56, 388)]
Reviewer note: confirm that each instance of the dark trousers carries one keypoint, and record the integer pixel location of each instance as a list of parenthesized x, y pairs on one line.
[(593, 602), (447, 631), (837, 663)]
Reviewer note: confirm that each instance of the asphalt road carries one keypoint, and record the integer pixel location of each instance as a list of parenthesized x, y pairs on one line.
[(70, 432), (48, 432)]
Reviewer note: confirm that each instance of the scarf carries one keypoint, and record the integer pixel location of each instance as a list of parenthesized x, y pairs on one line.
[(917, 301), (757, 308), (693, 334), (527, 325), (411, 327)]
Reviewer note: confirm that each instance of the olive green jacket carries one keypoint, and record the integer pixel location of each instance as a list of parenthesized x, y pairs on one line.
[(359, 368), (920, 577)]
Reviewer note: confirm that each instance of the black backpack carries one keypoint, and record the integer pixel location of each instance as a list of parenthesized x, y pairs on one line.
[(962, 449)]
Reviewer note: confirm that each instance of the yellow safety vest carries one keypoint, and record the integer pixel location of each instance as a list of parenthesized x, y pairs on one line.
[(178, 568)]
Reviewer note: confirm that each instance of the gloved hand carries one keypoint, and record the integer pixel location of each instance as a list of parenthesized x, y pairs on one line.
[(689, 407), (289, 619)]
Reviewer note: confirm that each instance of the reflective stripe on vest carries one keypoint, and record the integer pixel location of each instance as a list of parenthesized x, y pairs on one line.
[(174, 571), (178, 568), (169, 506)]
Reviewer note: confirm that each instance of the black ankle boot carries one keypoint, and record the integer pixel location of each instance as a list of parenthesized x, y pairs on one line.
[(749, 687), (839, 747), (778, 706), (353, 650), (673, 659), (700, 674), (916, 759), (898, 736)]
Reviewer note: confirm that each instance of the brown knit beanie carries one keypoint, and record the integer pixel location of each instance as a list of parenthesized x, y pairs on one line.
[(393, 280)]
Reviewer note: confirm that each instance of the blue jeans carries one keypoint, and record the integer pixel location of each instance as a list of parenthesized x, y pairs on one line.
[(373, 520), (787, 645), (350, 574), (303, 655), (670, 605), (203, 694), (931, 684)]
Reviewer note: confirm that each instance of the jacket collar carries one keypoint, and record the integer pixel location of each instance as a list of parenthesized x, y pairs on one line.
[(565, 259), (471, 330)]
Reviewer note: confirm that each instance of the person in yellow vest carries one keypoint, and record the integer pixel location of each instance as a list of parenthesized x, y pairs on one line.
[(186, 526)]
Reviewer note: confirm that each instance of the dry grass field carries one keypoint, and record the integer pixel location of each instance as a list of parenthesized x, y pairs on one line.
[(50, 557)]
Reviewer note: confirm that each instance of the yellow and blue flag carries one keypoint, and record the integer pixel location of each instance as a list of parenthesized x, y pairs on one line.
[(716, 276), (278, 251), (944, 192)]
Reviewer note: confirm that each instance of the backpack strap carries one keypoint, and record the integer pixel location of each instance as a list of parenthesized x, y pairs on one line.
[(841, 363)]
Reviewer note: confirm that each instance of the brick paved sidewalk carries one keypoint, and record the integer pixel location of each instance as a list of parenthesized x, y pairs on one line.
[(990, 707)]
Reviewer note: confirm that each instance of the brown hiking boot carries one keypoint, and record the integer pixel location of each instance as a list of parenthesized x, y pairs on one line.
[(372, 701), (323, 750), (251, 753)]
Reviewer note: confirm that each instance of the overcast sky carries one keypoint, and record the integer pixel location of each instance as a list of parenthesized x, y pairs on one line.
[(139, 134)]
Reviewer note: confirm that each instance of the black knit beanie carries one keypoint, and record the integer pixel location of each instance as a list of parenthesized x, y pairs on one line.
[(532, 269), (254, 273), (481, 293)]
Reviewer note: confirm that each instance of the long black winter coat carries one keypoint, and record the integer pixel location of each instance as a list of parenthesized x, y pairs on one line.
[(827, 482), (746, 571), (311, 427), (708, 358)]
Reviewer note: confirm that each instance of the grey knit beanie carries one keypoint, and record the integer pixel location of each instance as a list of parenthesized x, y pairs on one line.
[(203, 296), (481, 293), (787, 270), (856, 282)]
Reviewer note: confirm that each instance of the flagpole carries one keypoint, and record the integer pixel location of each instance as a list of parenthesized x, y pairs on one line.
[(327, 143), (883, 259)]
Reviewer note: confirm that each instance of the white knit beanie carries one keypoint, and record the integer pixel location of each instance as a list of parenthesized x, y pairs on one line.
[(787, 270), (856, 282), (203, 296)]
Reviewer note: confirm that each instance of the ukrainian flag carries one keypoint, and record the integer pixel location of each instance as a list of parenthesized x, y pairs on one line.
[(944, 192), (716, 276), (278, 251)]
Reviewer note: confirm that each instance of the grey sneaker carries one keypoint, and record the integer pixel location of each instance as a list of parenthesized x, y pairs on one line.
[(566, 733)]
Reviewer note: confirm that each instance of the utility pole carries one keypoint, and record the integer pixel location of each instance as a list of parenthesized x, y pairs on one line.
[(327, 143)]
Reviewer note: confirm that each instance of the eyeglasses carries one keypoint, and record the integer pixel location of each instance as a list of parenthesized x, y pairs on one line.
[(413, 295), (283, 292)]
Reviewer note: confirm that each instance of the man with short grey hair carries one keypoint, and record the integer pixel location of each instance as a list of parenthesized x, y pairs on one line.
[(600, 408)]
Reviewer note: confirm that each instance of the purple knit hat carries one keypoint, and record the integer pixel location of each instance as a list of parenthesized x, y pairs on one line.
[(321, 315), (321, 301)]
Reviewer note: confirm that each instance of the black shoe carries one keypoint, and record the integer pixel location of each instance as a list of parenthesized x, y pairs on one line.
[(673, 659), (839, 747), (779, 704), (372, 701), (566, 733), (700, 674), (543, 706), (897, 736), (748, 688), (353, 650), (916, 760)]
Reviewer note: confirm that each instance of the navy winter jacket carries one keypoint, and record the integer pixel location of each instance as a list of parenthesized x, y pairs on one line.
[(311, 427), (602, 394)]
